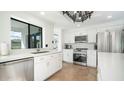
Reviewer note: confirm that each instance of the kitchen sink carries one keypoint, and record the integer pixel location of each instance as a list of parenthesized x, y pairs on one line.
[(39, 52)]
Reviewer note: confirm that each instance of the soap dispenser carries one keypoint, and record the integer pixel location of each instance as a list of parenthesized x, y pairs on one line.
[(4, 49)]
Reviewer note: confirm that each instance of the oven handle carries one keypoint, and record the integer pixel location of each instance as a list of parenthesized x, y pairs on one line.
[(80, 54)]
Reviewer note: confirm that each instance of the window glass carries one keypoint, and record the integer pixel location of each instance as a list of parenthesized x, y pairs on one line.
[(25, 35)]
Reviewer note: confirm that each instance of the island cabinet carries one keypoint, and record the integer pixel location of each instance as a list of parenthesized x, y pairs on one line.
[(47, 65)]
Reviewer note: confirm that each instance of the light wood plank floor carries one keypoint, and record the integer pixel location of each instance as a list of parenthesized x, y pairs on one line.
[(71, 72)]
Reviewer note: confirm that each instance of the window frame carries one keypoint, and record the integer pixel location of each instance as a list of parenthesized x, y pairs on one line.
[(29, 24)]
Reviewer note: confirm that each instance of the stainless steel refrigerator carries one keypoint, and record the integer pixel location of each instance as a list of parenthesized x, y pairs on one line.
[(110, 41)]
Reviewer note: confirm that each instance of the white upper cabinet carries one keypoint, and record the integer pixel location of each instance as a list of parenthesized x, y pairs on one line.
[(69, 38), (92, 37)]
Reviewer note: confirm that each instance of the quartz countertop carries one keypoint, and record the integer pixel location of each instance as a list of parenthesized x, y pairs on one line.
[(16, 56)]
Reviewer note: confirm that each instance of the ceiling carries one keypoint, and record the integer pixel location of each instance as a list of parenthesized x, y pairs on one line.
[(98, 17)]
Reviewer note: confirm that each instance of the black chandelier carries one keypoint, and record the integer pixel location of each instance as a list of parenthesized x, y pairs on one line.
[(78, 16)]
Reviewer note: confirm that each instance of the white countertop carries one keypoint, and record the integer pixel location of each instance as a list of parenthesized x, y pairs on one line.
[(111, 66), (16, 56)]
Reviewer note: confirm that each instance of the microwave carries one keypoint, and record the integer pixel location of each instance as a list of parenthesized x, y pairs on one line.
[(81, 39)]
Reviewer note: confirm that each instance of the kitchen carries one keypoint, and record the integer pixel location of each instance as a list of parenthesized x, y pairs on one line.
[(61, 46)]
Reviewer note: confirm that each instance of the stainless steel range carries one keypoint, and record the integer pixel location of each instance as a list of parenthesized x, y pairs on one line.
[(80, 56)]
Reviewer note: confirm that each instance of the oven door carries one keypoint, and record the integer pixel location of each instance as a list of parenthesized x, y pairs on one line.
[(79, 58)]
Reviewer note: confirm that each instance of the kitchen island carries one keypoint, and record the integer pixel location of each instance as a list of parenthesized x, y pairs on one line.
[(110, 66), (43, 65)]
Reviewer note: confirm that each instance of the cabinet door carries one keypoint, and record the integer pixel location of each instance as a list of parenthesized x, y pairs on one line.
[(92, 37), (40, 69), (58, 61), (72, 39), (69, 38), (64, 55), (54, 64), (91, 58), (47, 65), (51, 65), (68, 55)]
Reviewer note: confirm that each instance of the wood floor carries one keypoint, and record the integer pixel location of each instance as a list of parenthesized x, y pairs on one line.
[(71, 72)]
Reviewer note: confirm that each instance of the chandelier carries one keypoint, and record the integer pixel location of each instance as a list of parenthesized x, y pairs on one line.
[(78, 16)]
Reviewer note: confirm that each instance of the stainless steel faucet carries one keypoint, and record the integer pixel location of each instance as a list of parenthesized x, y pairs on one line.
[(38, 47)]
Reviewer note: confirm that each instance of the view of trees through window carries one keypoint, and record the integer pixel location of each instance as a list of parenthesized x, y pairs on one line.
[(16, 40)]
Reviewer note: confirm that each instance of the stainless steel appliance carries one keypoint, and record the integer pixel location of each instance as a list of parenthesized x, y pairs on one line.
[(81, 39), (110, 42), (80, 56), (19, 70)]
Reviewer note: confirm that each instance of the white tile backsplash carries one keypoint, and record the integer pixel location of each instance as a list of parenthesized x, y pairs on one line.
[(84, 45)]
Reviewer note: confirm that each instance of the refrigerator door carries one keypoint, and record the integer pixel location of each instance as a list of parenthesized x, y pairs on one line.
[(117, 42), (106, 42), (111, 41), (99, 41), (103, 41), (122, 42)]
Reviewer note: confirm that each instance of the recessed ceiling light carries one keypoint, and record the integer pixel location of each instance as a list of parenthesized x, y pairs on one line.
[(109, 17), (42, 13)]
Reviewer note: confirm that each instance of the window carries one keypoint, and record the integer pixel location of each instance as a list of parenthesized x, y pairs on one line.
[(16, 40), (25, 35)]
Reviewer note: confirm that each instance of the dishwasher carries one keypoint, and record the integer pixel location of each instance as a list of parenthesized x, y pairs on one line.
[(17, 70)]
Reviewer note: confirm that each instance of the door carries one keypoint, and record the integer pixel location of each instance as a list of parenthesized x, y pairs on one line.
[(117, 41), (103, 41)]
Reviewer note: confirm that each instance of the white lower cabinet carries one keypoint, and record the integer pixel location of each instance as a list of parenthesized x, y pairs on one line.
[(45, 66), (91, 58), (68, 55)]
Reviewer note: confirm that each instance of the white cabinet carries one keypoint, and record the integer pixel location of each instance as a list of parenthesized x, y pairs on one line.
[(91, 58), (58, 60), (92, 37), (45, 66), (69, 38), (40, 68), (55, 63), (68, 55)]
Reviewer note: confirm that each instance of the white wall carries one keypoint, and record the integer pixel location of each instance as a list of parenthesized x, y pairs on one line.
[(5, 26)]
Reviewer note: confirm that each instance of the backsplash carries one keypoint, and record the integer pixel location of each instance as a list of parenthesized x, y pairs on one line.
[(90, 46), (84, 45)]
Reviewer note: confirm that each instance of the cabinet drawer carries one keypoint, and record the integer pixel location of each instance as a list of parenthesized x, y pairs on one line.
[(39, 59)]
